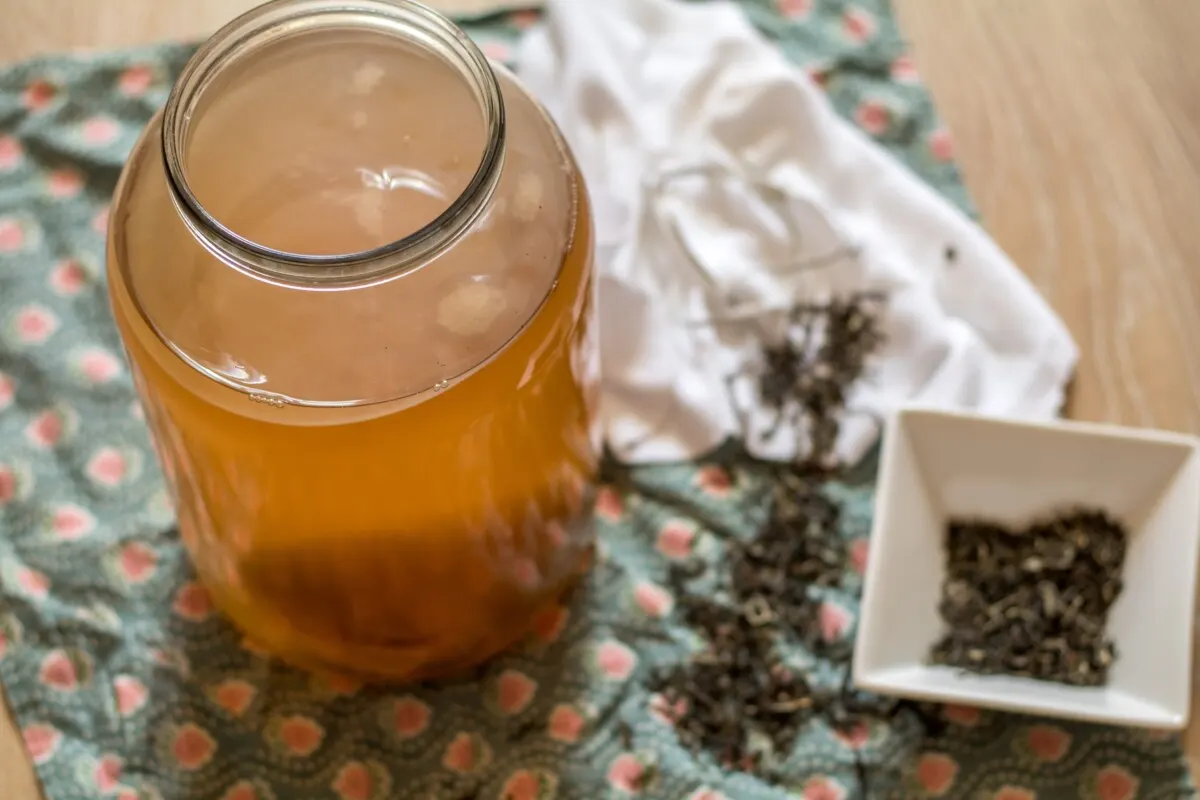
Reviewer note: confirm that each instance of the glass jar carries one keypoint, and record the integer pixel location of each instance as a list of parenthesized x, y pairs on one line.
[(351, 264)]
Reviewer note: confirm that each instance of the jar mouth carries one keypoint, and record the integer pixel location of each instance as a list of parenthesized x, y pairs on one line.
[(404, 19)]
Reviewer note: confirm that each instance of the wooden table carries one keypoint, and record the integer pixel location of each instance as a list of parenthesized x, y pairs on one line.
[(1078, 127)]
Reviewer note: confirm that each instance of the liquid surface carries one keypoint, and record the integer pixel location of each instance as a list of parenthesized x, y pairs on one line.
[(362, 138), (401, 539)]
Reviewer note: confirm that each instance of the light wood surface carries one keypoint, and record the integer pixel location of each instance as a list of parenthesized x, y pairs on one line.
[(1078, 127)]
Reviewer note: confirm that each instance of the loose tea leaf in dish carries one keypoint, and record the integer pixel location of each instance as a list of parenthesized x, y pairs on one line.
[(1032, 602)]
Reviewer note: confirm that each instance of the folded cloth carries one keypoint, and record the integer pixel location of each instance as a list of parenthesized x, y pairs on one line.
[(726, 189)]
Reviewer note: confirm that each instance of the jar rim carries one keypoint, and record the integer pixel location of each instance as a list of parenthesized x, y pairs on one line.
[(406, 19)]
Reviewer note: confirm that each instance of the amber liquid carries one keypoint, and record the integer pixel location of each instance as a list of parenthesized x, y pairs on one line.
[(398, 539)]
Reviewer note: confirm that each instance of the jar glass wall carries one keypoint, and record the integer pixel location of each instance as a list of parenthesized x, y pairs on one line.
[(351, 264)]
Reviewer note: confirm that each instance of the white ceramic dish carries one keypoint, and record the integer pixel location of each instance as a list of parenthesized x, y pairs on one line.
[(936, 465)]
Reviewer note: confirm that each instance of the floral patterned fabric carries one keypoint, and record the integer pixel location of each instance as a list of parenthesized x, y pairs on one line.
[(126, 684)]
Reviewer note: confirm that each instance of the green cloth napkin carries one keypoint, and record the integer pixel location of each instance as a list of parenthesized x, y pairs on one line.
[(125, 682)]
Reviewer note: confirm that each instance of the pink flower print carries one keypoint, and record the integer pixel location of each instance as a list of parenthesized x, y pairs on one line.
[(608, 504), (1115, 783), (523, 18), (859, 550), (33, 583), (527, 785), (1014, 793), (514, 691), (566, 724), (497, 51), (38, 94), (107, 773), (10, 152), (873, 117), (1048, 743), (131, 794), (242, 790), (941, 146), (300, 735), (821, 788), (858, 24), (653, 600), (964, 716), (98, 131), (626, 773), (666, 712), (100, 221), (137, 562), (354, 782), (41, 741), (58, 672), (131, 695), (615, 660), (549, 623), (67, 277), (45, 430), (192, 602), (464, 753), (8, 390), (714, 480), (794, 9), (97, 365), (936, 773), (855, 736), (410, 717), (904, 70), (64, 183), (34, 323), (12, 235), (707, 794), (675, 540), (192, 747), (234, 696), (70, 522), (8, 484), (135, 80), (833, 620), (108, 466)]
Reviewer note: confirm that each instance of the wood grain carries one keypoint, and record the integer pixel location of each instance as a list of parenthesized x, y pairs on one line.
[(1077, 123)]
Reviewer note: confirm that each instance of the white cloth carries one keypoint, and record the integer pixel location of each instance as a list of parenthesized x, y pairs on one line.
[(650, 92)]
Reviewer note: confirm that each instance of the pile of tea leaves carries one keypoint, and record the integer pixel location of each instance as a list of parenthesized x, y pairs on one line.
[(746, 696), (745, 703), (1032, 602)]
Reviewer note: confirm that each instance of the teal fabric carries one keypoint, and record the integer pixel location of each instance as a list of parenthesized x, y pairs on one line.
[(126, 684)]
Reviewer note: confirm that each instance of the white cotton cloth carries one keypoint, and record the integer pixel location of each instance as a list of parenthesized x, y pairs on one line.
[(695, 135)]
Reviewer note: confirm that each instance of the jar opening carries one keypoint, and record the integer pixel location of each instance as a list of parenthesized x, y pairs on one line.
[(327, 144)]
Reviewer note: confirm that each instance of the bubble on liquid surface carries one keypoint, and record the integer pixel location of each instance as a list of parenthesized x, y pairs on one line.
[(528, 199), (471, 306)]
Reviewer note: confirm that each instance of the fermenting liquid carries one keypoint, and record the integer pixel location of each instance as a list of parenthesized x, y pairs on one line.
[(391, 479)]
